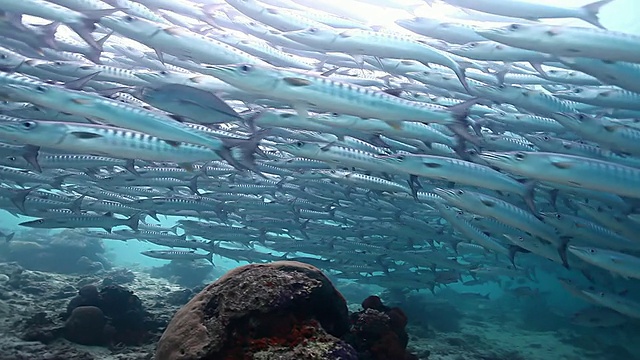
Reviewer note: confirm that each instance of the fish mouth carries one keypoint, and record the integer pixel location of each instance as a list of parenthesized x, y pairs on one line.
[(575, 249)]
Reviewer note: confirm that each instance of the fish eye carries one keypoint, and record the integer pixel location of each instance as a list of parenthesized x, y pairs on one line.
[(558, 216), (245, 68), (400, 157), (593, 251), (520, 156), (472, 44), (163, 72), (545, 138), (128, 18), (313, 30), (460, 192), (299, 144), (514, 27), (460, 212), (12, 158), (577, 91), (40, 221), (3, 56), (28, 124)]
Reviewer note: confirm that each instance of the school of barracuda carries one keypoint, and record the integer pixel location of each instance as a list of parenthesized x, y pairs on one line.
[(403, 158)]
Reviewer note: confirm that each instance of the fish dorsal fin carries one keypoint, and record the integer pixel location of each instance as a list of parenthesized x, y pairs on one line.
[(79, 83), (297, 81)]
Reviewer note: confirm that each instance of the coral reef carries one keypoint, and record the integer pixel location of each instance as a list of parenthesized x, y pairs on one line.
[(283, 310), (184, 273), (128, 323), (66, 252), (378, 332)]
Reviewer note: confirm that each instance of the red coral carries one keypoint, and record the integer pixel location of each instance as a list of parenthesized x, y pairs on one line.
[(373, 302), (398, 319)]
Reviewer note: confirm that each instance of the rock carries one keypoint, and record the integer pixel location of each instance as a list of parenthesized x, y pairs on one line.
[(127, 321), (282, 310), (184, 273), (179, 297), (85, 326), (378, 332), (118, 277), (89, 292)]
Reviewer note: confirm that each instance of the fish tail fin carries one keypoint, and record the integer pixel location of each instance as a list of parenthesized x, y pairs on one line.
[(30, 154), (462, 76), (19, 197), (562, 251), (591, 12), (529, 195), (193, 184), (130, 166), (48, 33), (210, 258), (58, 181), (85, 27), (513, 249), (460, 127), (134, 221), (247, 147), (76, 205), (9, 237)]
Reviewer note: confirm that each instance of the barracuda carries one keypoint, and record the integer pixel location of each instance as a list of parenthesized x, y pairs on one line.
[(534, 11), (304, 90), (500, 210), (177, 41), (380, 44), (570, 170), (106, 222), (568, 41), (108, 141), (609, 134), (337, 155), (80, 22), (460, 172), (110, 112), (457, 220), (608, 98)]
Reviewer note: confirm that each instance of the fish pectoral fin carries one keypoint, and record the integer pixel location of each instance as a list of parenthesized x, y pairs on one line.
[(561, 164), (294, 81), (85, 135), (81, 101), (302, 110), (172, 143), (487, 202), (186, 166), (396, 125)]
